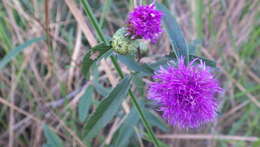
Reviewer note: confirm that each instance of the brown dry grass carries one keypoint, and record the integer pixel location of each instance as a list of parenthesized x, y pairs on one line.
[(34, 86)]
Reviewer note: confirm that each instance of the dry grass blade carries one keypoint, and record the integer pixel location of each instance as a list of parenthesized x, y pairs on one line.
[(41, 121), (81, 20), (250, 96), (43, 84), (208, 137), (74, 57)]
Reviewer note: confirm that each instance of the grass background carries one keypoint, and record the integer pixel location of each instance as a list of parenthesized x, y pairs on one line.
[(43, 84)]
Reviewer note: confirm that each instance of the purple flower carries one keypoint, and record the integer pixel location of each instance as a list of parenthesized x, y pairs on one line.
[(145, 22), (186, 94)]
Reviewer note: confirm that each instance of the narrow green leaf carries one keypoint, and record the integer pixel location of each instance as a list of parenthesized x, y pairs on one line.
[(93, 55), (85, 103), (107, 108), (174, 32), (140, 85), (101, 89), (247, 90), (172, 57), (198, 17), (126, 131), (156, 121), (161, 144), (52, 139), (15, 51), (105, 12), (208, 62), (133, 65), (161, 62)]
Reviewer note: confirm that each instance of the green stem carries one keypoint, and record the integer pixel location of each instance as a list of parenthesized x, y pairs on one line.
[(101, 36), (145, 122), (104, 12), (93, 20)]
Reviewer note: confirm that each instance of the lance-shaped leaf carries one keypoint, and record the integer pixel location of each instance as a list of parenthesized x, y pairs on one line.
[(123, 135), (107, 109), (155, 120), (135, 66), (85, 103), (171, 57), (174, 32), (208, 62), (15, 51), (93, 55), (53, 140)]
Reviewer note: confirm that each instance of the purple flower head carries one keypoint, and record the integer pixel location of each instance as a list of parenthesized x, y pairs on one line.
[(145, 22), (186, 94)]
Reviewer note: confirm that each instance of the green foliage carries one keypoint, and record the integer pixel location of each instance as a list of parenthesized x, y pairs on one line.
[(256, 144), (155, 120), (174, 32), (123, 135), (206, 61), (161, 144), (15, 51), (107, 109), (93, 55), (85, 103), (43, 80), (130, 62), (5, 39), (102, 38), (52, 139)]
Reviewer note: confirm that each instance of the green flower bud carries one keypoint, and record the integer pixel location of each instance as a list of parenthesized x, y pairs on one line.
[(122, 44)]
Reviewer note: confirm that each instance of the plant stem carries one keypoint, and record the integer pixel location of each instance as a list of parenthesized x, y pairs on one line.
[(94, 22)]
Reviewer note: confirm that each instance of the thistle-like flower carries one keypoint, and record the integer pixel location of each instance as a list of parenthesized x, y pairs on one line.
[(144, 22), (186, 94)]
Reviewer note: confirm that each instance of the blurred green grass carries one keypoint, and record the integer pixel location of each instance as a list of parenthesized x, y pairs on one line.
[(228, 32)]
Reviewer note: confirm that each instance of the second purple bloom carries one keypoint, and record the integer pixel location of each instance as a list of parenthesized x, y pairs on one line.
[(145, 23)]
